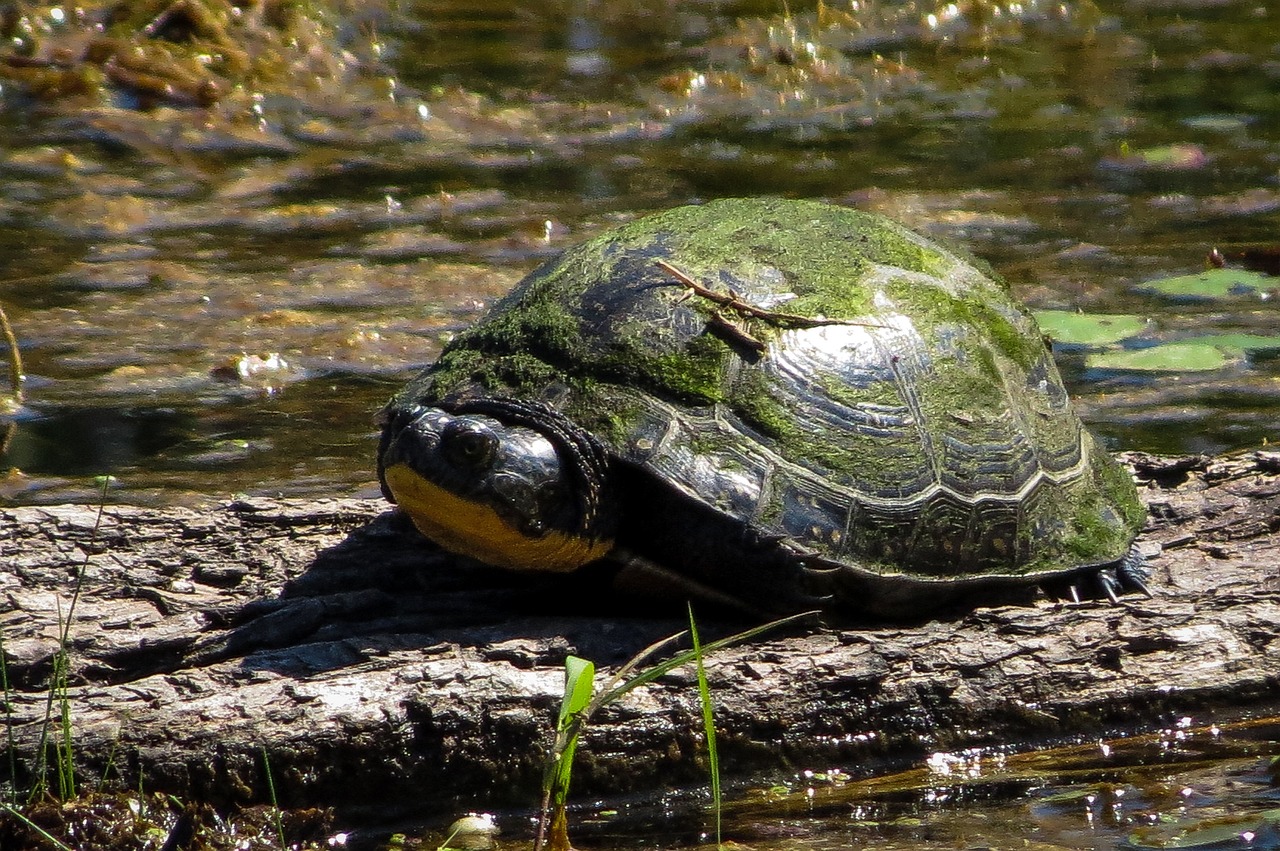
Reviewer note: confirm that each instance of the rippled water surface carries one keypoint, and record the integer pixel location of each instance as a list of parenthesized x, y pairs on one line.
[(218, 300), (1191, 786)]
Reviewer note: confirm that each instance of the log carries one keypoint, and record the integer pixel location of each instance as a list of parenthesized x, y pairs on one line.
[(381, 676)]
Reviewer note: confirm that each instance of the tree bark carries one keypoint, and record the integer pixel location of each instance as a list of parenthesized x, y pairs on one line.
[(379, 675)]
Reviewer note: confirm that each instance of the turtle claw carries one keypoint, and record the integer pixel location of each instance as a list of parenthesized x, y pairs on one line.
[(1108, 584), (1134, 583), (1132, 572)]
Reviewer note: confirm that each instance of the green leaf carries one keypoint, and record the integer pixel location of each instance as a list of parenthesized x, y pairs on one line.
[(578, 677), (617, 687), (1212, 838), (1170, 357), (1089, 329), (1210, 284), (708, 723), (1240, 342)]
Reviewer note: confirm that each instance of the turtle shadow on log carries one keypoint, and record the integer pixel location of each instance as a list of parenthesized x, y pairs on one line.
[(384, 587)]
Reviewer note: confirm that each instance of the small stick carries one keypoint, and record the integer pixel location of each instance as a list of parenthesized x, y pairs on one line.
[(733, 302), (718, 323)]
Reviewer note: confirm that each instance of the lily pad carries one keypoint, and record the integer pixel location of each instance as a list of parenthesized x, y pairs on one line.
[(1238, 342), (1210, 284), (1217, 123), (1180, 157), (1173, 156), (1182, 356), (1239, 833), (1089, 329)]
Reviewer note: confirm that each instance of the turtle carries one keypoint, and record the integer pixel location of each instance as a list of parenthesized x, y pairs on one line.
[(774, 405)]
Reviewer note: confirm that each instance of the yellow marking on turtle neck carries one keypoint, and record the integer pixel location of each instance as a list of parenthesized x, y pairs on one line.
[(476, 530)]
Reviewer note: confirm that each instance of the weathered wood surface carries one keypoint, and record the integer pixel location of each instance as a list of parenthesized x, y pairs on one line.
[(380, 676)]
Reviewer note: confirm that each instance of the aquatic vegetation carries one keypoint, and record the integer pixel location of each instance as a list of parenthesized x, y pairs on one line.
[(582, 700)]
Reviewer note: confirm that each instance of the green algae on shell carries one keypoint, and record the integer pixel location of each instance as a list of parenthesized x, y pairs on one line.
[(821, 375)]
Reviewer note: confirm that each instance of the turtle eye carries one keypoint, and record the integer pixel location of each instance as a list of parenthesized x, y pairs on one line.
[(468, 444)]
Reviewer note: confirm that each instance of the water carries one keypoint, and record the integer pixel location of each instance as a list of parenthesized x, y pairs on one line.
[(349, 226), (218, 301), (1191, 786)]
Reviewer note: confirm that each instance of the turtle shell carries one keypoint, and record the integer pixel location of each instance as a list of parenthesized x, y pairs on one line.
[(819, 375)]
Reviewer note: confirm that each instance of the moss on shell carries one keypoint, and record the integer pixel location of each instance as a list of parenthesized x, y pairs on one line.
[(752, 401), (819, 252), (936, 395), (696, 374)]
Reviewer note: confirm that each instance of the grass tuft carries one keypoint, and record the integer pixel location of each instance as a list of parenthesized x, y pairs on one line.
[(581, 701)]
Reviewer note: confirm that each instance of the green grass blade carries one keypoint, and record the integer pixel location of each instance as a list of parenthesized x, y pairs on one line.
[(46, 835), (708, 722), (275, 802), (579, 678), (581, 701), (84, 566), (445, 846), (621, 675), (111, 759), (66, 758), (650, 674), (16, 373)]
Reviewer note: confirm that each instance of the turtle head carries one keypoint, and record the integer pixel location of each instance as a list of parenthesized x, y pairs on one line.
[(513, 484)]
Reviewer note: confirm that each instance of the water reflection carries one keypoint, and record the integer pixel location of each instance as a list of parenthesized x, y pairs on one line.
[(351, 223), (1193, 785), (86, 442)]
